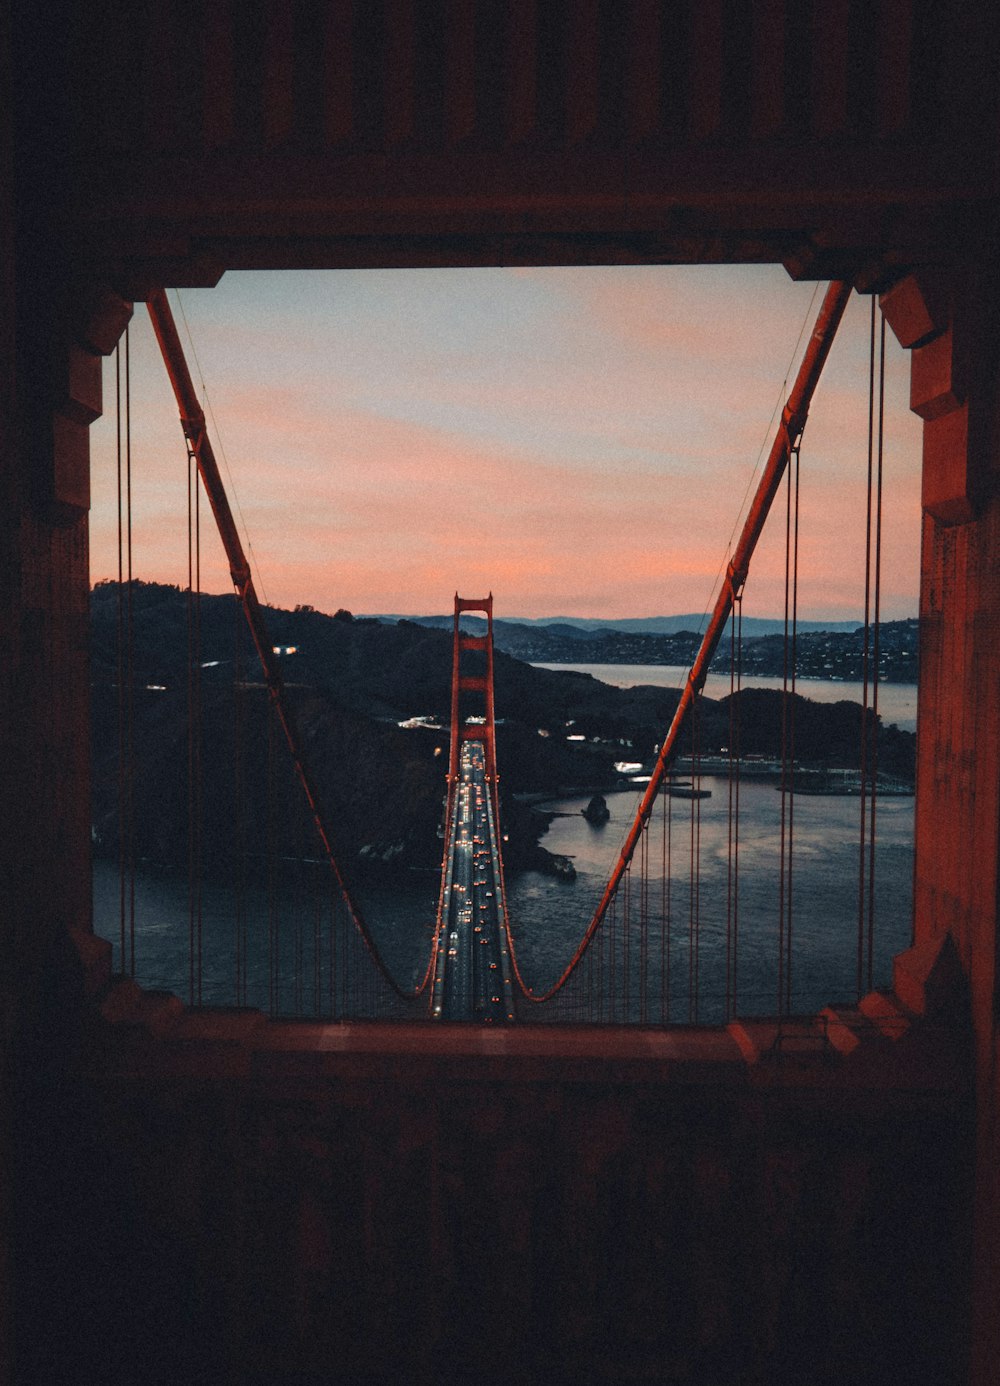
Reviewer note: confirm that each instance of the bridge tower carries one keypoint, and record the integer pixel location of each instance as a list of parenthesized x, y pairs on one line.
[(470, 983), (464, 680)]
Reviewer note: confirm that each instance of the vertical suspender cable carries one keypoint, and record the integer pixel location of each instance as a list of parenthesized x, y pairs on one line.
[(784, 755), (590, 986), (729, 818), (196, 433), (875, 657), (317, 951), (694, 713), (239, 817), (643, 923), (865, 672), (299, 900), (796, 465), (199, 726), (126, 669), (272, 971), (793, 421), (626, 944), (790, 654), (696, 805), (130, 663), (693, 865), (345, 974), (733, 813), (122, 756), (670, 883), (601, 941), (737, 736), (347, 997), (192, 817), (668, 979), (612, 950), (299, 962), (663, 907), (194, 736), (336, 1012)]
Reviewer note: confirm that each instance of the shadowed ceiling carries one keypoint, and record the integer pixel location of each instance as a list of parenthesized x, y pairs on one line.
[(843, 137)]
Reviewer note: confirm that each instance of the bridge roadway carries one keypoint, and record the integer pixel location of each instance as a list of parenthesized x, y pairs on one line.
[(472, 977)]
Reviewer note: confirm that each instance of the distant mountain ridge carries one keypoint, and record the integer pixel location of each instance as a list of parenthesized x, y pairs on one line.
[(586, 626), (825, 654)]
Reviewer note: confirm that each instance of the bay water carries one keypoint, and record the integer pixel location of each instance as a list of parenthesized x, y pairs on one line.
[(897, 702), (686, 908)]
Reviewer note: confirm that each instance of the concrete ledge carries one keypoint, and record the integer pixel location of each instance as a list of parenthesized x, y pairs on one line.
[(153, 1033), (886, 1014), (928, 977)]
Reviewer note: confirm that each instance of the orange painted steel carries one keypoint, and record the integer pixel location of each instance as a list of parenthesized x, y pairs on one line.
[(199, 443), (793, 420), (484, 732)]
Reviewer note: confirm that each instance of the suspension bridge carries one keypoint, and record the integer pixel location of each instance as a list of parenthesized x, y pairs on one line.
[(216, 1180), (639, 939)]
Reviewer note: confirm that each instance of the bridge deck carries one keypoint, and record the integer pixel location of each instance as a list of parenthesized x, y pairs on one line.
[(472, 979)]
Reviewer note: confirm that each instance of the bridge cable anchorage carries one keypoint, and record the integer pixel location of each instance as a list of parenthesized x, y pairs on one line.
[(788, 434), (195, 432)]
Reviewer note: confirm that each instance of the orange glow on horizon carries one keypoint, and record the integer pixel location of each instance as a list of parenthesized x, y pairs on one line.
[(603, 481)]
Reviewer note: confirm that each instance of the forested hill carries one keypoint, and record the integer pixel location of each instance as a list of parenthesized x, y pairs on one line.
[(351, 683)]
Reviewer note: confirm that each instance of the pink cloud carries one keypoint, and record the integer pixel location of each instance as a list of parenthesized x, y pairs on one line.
[(609, 477)]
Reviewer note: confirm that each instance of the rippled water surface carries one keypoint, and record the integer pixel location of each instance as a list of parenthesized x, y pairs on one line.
[(550, 915)]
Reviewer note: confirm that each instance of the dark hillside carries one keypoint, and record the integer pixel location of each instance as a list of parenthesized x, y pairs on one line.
[(351, 683)]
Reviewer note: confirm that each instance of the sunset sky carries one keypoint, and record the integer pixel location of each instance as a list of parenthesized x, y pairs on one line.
[(579, 441)]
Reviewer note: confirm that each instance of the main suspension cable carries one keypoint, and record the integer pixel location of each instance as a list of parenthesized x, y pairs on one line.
[(196, 433), (793, 421)]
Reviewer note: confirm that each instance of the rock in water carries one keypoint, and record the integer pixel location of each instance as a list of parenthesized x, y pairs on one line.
[(597, 811)]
